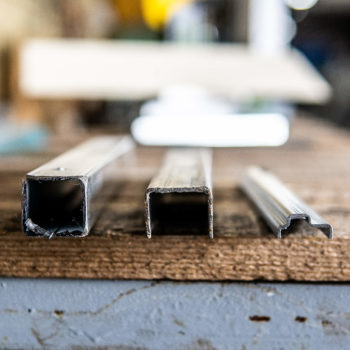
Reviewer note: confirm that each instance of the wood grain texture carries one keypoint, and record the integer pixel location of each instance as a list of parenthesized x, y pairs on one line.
[(315, 164)]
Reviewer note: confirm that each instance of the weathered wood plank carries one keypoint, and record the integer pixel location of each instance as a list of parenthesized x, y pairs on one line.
[(314, 164)]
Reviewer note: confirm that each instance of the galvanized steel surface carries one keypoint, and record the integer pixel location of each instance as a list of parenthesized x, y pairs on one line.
[(277, 204), (186, 171), (70, 183)]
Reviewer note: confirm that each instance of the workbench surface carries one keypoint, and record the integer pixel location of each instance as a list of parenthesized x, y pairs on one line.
[(314, 164)]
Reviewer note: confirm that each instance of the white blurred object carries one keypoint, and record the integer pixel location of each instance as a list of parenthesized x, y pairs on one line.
[(271, 27), (191, 23), (301, 4), (191, 116), (231, 130), (186, 99)]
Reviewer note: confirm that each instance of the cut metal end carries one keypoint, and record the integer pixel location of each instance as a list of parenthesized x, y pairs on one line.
[(277, 204), (64, 196), (326, 228), (179, 200), (55, 206), (179, 211)]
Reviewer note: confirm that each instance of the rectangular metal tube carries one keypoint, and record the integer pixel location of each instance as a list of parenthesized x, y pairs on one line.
[(63, 196), (179, 199), (277, 204)]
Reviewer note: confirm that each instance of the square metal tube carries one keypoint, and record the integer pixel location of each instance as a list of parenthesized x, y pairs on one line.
[(179, 199), (64, 196)]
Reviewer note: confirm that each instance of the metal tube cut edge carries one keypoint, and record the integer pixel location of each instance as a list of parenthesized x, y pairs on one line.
[(277, 204), (181, 192), (64, 196)]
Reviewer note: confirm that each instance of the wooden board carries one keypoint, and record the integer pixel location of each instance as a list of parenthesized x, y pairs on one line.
[(315, 164), (58, 69)]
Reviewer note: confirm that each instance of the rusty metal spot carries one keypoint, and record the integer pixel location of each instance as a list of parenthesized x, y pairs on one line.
[(326, 323), (257, 318), (59, 313), (300, 319), (203, 344), (179, 323)]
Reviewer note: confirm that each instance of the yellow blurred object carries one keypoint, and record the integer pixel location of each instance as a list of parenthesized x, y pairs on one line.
[(157, 12)]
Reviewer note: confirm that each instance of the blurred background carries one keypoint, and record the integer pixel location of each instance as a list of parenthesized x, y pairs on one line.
[(157, 67)]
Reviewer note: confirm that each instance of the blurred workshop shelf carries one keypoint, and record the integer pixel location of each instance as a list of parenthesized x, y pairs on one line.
[(314, 163)]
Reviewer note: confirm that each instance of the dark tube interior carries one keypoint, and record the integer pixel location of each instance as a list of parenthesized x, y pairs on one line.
[(302, 227), (179, 213), (56, 206)]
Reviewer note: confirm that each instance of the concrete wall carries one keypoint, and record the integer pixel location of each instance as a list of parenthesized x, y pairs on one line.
[(84, 314)]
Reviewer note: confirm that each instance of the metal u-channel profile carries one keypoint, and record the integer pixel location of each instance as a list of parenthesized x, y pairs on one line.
[(277, 204), (179, 199), (64, 196)]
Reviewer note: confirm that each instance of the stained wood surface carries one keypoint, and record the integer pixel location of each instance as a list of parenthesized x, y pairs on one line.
[(314, 163)]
